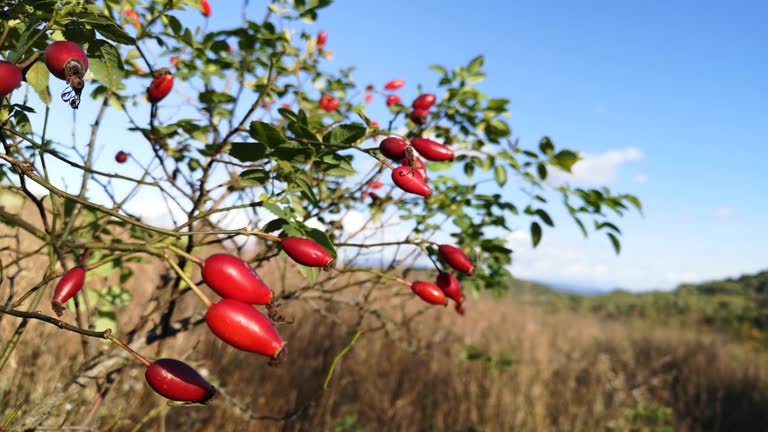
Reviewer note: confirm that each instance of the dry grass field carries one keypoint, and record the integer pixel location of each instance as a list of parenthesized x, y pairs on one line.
[(503, 366)]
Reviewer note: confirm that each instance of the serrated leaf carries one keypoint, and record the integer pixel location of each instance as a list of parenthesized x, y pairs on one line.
[(535, 233), (248, 151), (266, 134), (106, 64), (37, 77), (310, 273), (439, 69), (500, 174), (276, 210), (345, 134), (300, 131)]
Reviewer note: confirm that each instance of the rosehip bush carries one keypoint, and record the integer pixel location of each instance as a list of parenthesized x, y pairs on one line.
[(259, 130)]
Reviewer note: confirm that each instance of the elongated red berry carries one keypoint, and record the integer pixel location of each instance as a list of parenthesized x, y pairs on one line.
[(205, 7), (10, 77), (456, 258), (394, 84), (322, 36), (424, 101), (432, 150), (175, 380), (393, 148), (411, 181), (429, 292), (121, 157), (160, 86), (233, 278), (418, 166), (459, 308), (67, 61), (308, 253), (69, 285), (419, 116), (243, 327), (393, 99), (450, 286)]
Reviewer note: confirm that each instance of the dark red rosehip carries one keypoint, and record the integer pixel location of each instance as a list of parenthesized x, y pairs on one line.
[(411, 181), (419, 116), (429, 292), (424, 101), (322, 36), (450, 286), (242, 326), (456, 258), (459, 308), (432, 150), (69, 285), (175, 380), (392, 100), (418, 166), (121, 157), (308, 253), (393, 148), (394, 84), (233, 278), (10, 77), (160, 86)]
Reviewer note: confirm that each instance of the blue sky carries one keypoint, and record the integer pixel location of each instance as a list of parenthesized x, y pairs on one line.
[(664, 100), (667, 100)]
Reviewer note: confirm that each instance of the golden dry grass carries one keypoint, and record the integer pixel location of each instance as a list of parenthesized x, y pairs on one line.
[(536, 371)]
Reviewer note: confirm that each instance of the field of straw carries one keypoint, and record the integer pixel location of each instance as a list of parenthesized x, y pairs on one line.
[(501, 367)]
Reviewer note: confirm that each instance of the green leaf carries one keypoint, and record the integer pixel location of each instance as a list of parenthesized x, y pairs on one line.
[(106, 63), (274, 225), (37, 77), (500, 174), (310, 273), (275, 210), (345, 134), (439, 69), (302, 132), (475, 65), (546, 146), (253, 177), (615, 242), (545, 217), (542, 170), (321, 238), (110, 30), (106, 318), (248, 151), (566, 158), (535, 233), (266, 134)]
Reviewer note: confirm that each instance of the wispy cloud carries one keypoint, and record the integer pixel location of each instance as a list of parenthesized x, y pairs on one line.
[(602, 168)]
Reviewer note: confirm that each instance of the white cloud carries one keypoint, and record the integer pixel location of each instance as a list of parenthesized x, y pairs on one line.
[(597, 169), (723, 212)]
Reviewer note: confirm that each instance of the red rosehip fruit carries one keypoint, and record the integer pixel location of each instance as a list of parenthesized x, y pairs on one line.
[(411, 181), (121, 157), (10, 77), (429, 292), (308, 253), (424, 101), (368, 98), (69, 285), (459, 308), (373, 184), (242, 326), (322, 36), (392, 100), (432, 150), (160, 86), (233, 278), (175, 380), (419, 116), (393, 148), (328, 103), (456, 258), (394, 84), (205, 7), (450, 286), (418, 166), (67, 61)]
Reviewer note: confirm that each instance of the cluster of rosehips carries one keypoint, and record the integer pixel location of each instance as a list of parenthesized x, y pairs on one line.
[(411, 176)]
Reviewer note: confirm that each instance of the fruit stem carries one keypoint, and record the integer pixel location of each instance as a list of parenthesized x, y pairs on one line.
[(85, 257), (122, 345), (339, 356), (186, 255), (185, 277)]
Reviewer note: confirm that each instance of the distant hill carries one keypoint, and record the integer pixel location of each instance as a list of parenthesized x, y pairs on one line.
[(738, 306)]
